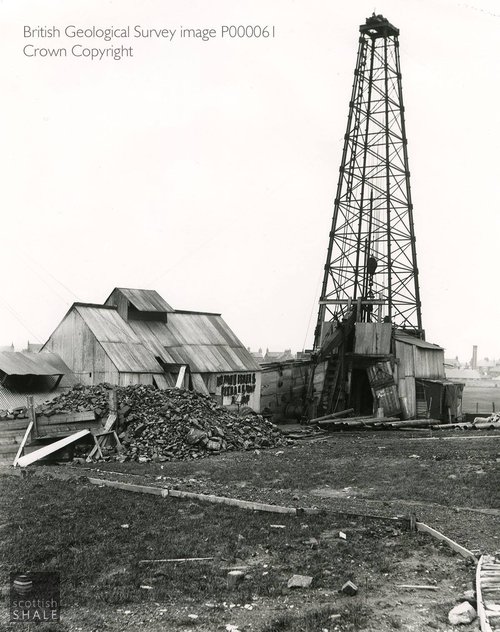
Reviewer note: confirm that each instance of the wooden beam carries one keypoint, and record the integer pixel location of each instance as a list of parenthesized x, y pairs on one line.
[(180, 377), (67, 418), (28, 459), (23, 443), (341, 413), (451, 543), (177, 559)]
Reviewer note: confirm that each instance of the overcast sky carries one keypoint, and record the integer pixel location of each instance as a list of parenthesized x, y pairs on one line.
[(207, 170)]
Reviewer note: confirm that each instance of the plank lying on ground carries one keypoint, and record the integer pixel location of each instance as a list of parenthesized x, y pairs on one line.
[(451, 543), (28, 459), (416, 587), (177, 559), (341, 413), (130, 487), (224, 500), (243, 504), (356, 421)]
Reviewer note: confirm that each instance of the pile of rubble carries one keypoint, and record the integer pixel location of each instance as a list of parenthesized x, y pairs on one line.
[(164, 425)]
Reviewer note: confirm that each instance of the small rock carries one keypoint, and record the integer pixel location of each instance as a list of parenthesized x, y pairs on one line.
[(470, 596), (349, 589), (299, 581), (462, 614), (234, 578)]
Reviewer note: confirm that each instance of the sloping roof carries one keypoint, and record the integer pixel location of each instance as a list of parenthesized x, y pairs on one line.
[(117, 339), (144, 300), (462, 374), (204, 341), (10, 398), (24, 363), (412, 340)]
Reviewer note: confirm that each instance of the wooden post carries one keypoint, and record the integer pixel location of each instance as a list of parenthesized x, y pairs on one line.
[(30, 405), (113, 402)]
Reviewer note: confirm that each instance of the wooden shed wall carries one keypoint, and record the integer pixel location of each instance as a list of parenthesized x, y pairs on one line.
[(429, 363), (286, 383), (216, 382), (373, 338), (120, 302), (74, 342), (126, 379)]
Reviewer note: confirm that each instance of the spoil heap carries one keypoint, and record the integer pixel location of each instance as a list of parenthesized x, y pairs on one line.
[(164, 425)]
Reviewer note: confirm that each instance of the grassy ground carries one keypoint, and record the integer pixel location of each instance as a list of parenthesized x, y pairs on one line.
[(421, 466), (96, 537), (482, 399)]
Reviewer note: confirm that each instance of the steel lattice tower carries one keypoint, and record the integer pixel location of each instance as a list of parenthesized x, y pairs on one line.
[(372, 258)]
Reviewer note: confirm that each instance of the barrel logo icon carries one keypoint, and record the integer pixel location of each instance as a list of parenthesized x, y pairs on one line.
[(22, 585)]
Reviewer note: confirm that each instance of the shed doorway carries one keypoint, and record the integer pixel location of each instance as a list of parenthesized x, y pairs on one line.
[(361, 393)]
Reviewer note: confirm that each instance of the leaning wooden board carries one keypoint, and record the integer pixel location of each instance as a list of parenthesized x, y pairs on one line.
[(488, 592)]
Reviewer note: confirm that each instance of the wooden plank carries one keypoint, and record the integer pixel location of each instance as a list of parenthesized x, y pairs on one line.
[(30, 405), (53, 447), (100, 438), (341, 413), (130, 487), (23, 443), (67, 418), (67, 429), (180, 377), (483, 621), (20, 423), (177, 559), (439, 536), (416, 587)]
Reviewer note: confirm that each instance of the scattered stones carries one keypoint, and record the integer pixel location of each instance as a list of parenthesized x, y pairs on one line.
[(299, 581), (349, 588), (462, 614)]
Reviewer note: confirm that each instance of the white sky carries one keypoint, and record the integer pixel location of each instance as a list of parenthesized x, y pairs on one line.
[(207, 170)]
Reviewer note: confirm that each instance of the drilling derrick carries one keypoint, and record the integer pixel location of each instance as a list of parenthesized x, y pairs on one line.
[(370, 281), (371, 261)]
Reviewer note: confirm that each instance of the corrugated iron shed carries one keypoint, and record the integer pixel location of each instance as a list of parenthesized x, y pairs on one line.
[(117, 339), (22, 363), (10, 399), (412, 340), (144, 300), (204, 341)]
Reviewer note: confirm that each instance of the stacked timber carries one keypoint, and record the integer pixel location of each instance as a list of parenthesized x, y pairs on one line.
[(339, 421), (171, 424)]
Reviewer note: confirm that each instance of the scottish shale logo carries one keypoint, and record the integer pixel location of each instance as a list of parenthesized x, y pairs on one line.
[(34, 597)]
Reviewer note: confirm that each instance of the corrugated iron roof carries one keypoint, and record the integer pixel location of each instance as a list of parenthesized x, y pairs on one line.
[(118, 340), (131, 357), (204, 341), (10, 399), (145, 300), (412, 340), (24, 363)]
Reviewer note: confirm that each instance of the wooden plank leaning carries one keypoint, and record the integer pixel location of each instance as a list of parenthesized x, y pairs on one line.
[(451, 543), (53, 447)]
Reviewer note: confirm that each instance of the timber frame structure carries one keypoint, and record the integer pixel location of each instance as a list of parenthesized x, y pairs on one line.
[(371, 258)]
